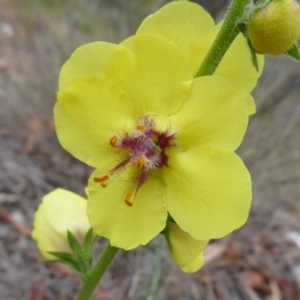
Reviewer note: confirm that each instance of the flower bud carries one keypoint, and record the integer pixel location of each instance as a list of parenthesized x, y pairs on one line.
[(274, 28), (185, 251), (60, 211)]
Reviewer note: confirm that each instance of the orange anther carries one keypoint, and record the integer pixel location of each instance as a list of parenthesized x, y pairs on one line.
[(113, 140), (140, 127), (102, 180), (141, 161), (129, 199)]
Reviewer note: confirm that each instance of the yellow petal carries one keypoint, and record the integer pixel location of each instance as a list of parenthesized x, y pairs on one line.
[(184, 249), (250, 104), (126, 227), (44, 235), (213, 114), (195, 265), (152, 71), (88, 112), (237, 66), (208, 192), (59, 212), (87, 60), (182, 22)]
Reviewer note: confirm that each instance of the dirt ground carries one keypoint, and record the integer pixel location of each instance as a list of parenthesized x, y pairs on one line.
[(259, 261)]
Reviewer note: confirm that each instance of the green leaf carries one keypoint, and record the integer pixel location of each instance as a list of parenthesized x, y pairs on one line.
[(243, 29), (73, 242), (67, 259), (253, 56), (88, 241), (294, 52), (63, 256), (72, 262), (82, 262)]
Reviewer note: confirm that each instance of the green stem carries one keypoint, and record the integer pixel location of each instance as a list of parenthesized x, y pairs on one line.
[(97, 272), (225, 37)]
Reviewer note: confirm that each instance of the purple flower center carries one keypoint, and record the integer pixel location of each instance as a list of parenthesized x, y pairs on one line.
[(146, 149)]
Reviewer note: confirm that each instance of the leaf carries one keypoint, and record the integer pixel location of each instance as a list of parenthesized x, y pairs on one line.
[(82, 262), (73, 242), (253, 55), (62, 256), (67, 259), (72, 262), (243, 29), (294, 52), (88, 241)]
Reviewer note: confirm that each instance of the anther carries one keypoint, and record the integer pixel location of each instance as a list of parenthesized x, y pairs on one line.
[(103, 184), (102, 180), (142, 160), (113, 140), (129, 199), (140, 127)]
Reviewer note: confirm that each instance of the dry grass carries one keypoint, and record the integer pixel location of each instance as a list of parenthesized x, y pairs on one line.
[(260, 260)]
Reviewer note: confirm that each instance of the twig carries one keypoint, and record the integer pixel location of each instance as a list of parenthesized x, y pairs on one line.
[(19, 227)]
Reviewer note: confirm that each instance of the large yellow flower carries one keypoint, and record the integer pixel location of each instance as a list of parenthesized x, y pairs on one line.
[(161, 141)]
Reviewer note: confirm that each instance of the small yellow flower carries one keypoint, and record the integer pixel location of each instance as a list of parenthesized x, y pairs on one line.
[(276, 27), (60, 211), (185, 251), (161, 141)]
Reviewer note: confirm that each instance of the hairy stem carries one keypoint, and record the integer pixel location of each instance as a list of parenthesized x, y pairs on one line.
[(224, 39), (97, 272)]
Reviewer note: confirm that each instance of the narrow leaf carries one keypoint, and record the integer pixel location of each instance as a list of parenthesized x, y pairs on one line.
[(243, 30), (73, 242), (253, 56), (294, 52), (88, 241), (62, 255)]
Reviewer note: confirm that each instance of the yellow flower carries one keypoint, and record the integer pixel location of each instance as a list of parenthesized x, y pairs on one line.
[(161, 141), (185, 251), (60, 211)]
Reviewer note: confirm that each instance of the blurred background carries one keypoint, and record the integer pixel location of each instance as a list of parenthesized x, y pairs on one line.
[(259, 261)]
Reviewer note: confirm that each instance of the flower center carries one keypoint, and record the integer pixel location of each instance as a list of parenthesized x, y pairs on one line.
[(145, 148)]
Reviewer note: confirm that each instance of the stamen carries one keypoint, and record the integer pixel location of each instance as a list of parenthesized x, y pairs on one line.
[(140, 181), (102, 180), (113, 173), (129, 199), (142, 160), (140, 127), (113, 140)]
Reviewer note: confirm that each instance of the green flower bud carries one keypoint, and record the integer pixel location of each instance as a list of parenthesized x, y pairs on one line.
[(274, 28)]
